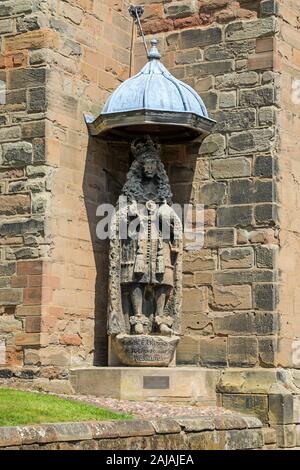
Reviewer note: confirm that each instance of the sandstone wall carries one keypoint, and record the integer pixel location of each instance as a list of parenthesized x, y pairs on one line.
[(288, 50), (226, 51), (58, 60)]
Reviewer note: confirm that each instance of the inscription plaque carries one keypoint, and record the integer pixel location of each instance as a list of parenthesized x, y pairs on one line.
[(145, 350), (156, 382)]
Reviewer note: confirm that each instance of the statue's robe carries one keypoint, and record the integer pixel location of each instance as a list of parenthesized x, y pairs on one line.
[(147, 259)]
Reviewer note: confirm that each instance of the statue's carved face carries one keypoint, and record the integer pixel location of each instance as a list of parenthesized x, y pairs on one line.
[(150, 168)]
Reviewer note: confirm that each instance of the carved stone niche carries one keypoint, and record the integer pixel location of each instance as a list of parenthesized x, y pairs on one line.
[(145, 280), (145, 277)]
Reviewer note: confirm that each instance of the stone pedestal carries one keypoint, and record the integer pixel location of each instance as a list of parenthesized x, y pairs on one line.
[(178, 384)]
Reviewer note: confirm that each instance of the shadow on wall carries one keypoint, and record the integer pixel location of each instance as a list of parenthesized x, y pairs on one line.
[(105, 172)]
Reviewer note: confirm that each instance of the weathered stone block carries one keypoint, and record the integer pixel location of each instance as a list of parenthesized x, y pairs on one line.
[(17, 153), (246, 323), (262, 96), (27, 339), (10, 324), (244, 439), (16, 204), (286, 435), (188, 57), (269, 7), (247, 191), (258, 140), (213, 440), (298, 435), (264, 167), (265, 256), (234, 120), (204, 84), (234, 324), (16, 100), (231, 297), (212, 193), (10, 133), (188, 350), (165, 426), (11, 296), (195, 424), (180, 10), (200, 37), (266, 214), (227, 99), (253, 404), (266, 323), (244, 276), (262, 61), (234, 216), (230, 168), (39, 150), (267, 347), (199, 263), (242, 351), (210, 99), (265, 296), (214, 144), (269, 436), (33, 324), (195, 300), (237, 80), (30, 130), (209, 68), (219, 237), (37, 100), (281, 408), (267, 116), (9, 435), (25, 24), (237, 258), (22, 226), (213, 352), (31, 77), (218, 53), (167, 442), (296, 409), (7, 269), (250, 29), (6, 26), (204, 277), (195, 321)]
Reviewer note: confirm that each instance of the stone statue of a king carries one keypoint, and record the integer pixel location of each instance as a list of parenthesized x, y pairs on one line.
[(145, 283)]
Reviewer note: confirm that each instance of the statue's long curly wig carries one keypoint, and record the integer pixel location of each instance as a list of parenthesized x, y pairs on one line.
[(133, 188)]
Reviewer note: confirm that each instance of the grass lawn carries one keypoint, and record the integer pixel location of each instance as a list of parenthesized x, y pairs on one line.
[(18, 407)]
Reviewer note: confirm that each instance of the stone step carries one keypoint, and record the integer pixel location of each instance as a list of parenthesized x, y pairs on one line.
[(178, 384)]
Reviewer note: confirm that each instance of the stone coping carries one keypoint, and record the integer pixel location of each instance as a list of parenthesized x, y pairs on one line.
[(17, 436)]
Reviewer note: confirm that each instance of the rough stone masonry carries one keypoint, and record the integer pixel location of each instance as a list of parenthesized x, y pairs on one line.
[(241, 291)]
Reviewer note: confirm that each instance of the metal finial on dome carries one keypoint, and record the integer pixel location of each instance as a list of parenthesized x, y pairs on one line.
[(154, 52)]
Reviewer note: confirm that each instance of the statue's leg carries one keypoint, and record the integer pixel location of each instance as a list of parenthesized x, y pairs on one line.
[(162, 294), (160, 297), (137, 295)]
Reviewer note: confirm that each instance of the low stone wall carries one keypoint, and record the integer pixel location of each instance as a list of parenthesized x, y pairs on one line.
[(232, 432)]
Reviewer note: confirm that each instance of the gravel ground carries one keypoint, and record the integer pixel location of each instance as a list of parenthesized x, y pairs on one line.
[(142, 409), (148, 409)]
